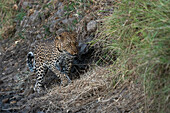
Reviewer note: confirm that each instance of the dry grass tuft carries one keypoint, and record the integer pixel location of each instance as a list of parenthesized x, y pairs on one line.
[(93, 92)]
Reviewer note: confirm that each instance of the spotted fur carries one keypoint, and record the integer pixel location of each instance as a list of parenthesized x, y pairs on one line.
[(55, 55)]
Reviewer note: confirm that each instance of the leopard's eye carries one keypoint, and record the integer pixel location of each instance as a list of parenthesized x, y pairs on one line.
[(59, 49)]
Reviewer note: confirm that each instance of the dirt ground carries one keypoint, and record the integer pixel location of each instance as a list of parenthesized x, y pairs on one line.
[(91, 91)]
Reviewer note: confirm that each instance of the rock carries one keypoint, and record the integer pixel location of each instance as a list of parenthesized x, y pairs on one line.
[(25, 5), (91, 26), (13, 102), (78, 104), (5, 100)]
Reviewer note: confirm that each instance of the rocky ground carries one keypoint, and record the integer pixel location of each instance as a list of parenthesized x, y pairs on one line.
[(91, 89)]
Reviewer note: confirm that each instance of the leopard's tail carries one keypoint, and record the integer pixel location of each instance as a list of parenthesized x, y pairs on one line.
[(31, 61)]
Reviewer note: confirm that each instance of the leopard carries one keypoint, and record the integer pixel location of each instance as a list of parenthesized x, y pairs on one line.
[(56, 55)]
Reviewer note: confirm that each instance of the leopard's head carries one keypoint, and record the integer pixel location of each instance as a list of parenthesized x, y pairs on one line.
[(67, 42)]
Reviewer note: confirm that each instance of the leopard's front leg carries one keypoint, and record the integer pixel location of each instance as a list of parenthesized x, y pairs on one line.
[(69, 62), (65, 80)]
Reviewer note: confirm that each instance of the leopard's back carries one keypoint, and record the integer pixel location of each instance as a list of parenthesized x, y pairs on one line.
[(45, 53)]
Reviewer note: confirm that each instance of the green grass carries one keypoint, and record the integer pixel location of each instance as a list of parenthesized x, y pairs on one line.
[(9, 16), (6, 10), (20, 15), (139, 33), (77, 6), (6, 13)]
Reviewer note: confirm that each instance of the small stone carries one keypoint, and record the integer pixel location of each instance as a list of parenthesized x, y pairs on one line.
[(13, 102), (77, 104), (5, 100), (16, 42), (91, 26), (25, 5), (38, 36), (15, 7)]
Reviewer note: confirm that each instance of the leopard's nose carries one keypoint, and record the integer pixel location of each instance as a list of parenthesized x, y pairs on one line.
[(74, 53), (71, 54)]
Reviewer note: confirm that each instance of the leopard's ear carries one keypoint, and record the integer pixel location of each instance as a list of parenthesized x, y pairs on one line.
[(59, 38)]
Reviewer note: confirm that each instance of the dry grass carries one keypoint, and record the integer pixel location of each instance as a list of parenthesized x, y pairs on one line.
[(93, 92)]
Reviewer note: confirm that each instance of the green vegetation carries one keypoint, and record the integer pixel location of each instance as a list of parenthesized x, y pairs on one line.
[(139, 33), (47, 30), (20, 35), (78, 6), (6, 14), (20, 15), (6, 11)]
